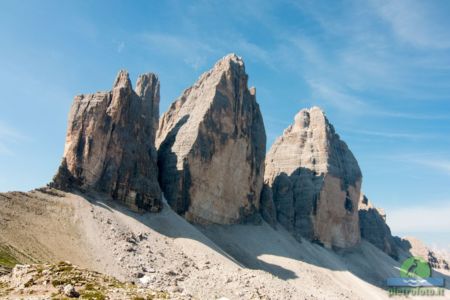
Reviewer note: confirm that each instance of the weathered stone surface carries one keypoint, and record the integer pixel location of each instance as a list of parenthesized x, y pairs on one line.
[(110, 143), (4, 271), (315, 182), (211, 146), (69, 291), (372, 222), (410, 246)]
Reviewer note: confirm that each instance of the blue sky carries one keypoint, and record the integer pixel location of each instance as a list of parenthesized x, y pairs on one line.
[(380, 70)]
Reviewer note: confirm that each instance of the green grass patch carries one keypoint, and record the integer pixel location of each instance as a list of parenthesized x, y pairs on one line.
[(59, 282), (92, 295), (7, 259)]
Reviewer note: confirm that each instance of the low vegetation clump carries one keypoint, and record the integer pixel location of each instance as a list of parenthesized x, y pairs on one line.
[(7, 259), (64, 281)]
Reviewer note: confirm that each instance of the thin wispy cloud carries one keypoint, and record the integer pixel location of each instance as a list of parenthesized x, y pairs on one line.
[(196, 51), (254, 52), (442, 165), (4, 150), (393, 135), (7, 132), (432, 217), (413, 116), (120, 47), (372, 59), (415, 22), (337, 98), (437, 161), (8, 137), (193, 51), (279, 122)]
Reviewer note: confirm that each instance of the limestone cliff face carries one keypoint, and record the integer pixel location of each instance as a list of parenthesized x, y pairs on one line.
[(110, 143), (373, 227), (211, 147), (312, 183)]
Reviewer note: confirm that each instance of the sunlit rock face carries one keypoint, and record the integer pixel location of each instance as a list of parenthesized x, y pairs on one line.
[(110, 143), (313, 182), (211, 146)]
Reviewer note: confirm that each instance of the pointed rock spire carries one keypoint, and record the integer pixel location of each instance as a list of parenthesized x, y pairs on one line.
[(147, 88), (312, 182), (109, 146), (122, 80), (211, 147)]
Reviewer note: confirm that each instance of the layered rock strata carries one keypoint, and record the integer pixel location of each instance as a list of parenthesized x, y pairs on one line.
[(110, 143), (211, 146), (312, 183)]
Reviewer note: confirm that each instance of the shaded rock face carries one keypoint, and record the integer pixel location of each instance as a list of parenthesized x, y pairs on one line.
[(372, 222), (211, 147), (110, 143), (314, 182)]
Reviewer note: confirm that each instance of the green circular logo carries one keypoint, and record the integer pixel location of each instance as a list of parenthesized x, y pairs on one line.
[(415, 267)]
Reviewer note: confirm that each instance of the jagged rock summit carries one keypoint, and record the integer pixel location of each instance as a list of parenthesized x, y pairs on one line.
[(110, 143), (211, 147), (313, 182)]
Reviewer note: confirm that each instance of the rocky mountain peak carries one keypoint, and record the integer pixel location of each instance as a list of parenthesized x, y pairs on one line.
[(232, 60), (211, 147), (307, 119), (110, 143), (313, 117), (146, 86), (230, 66), (122, 80), (312, 182)]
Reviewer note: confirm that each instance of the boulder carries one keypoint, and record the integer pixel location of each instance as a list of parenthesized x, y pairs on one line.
[(372, 222), (110, 143), (314, 182), (211, 146), (69, 291)]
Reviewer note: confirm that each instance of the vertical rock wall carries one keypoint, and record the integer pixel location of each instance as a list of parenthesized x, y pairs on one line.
[(211, 146), (314, 181), (110, 143)]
